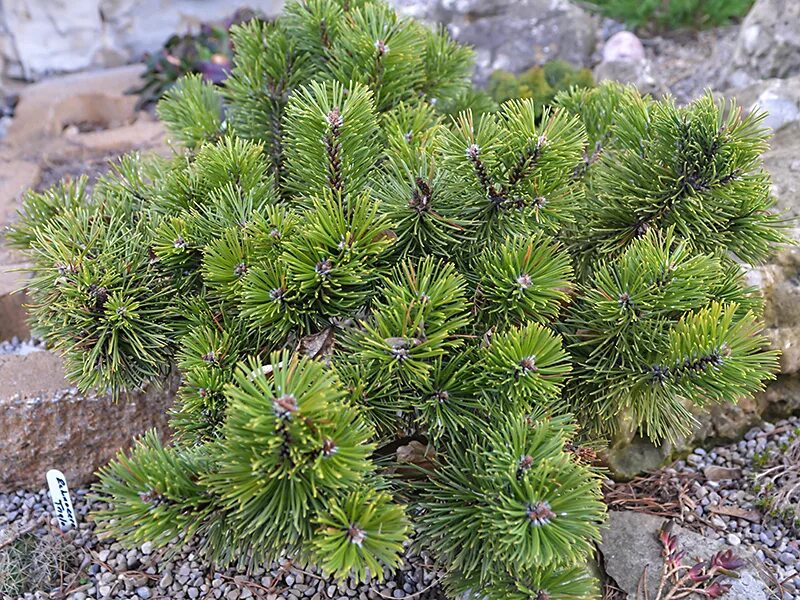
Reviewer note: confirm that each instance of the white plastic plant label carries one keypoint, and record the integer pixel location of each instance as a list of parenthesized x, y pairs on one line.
[(61, 500)]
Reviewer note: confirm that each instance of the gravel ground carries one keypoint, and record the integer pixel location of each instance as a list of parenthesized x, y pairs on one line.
[(21, 347), (104, 569), (722, 483), (725, 483)]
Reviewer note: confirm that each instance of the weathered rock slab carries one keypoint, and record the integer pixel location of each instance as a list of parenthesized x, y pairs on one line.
[(768, 44), (41, 37), (512, 34), (97, 99), (778, 98), (630, 545), (45, 423)]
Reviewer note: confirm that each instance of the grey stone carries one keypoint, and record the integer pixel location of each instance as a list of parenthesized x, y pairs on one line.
[(39, 37), (779, 98), (512, 34), (768, 43), (716, 473), (630, 544), (623, 46), (640, 73), (628, 458)]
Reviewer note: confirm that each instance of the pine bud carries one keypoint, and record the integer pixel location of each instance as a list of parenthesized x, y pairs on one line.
[(659, 374), (335, 120), (528, 365), (328, 448), (540, 513), (285, 405), (524, 465), (399, 348), (152, 497), (539, 202), (420, 197), (524, 281), (100, 295), (442, 396), (324, 267), (356, 535)]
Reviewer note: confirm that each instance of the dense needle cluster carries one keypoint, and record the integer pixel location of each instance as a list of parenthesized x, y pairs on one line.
[(393, 324)]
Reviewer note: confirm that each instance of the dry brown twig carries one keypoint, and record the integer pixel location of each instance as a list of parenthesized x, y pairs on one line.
[(662, 493)]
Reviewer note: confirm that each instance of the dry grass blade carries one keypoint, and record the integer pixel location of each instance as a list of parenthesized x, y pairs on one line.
[(780, 484)]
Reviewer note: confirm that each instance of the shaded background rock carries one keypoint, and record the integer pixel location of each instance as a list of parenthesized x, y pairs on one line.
[(778, 98), (624, 60), (632, 455), (512, 34), (623, 46), (88, 101), (768, 44), (638, 72)]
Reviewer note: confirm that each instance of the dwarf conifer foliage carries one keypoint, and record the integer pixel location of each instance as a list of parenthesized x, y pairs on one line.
[(390, 324)]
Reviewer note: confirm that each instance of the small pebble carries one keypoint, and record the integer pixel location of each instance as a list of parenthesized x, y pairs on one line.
[(143, 593)]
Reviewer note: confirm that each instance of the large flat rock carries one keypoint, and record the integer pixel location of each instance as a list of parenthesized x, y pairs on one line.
[(45, 423), (630, 545), (95, 97)]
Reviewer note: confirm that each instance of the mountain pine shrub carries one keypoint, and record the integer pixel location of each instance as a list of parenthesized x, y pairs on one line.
[(393, 325)]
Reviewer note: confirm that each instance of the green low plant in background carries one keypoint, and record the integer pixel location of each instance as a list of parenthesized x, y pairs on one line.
[(392, 324), (208, 52), (539, 83), (664, 15)]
